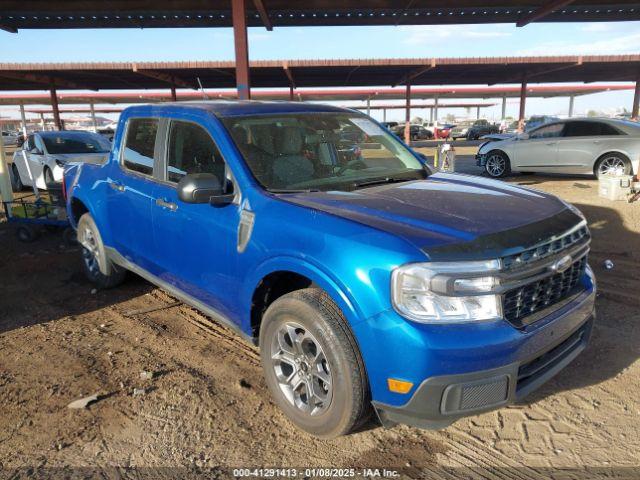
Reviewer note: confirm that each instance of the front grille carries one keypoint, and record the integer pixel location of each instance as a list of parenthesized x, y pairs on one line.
[(531, 371), (534, 297)]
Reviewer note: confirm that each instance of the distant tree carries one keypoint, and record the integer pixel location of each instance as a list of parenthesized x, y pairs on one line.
[(450, 118), (417, 120), (593, 113)]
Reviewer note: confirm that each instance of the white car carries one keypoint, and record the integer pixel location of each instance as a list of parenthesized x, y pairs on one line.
[(593, 146), (43, 155)]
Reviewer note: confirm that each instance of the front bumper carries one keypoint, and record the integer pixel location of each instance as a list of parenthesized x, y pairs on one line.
[(441, 400)]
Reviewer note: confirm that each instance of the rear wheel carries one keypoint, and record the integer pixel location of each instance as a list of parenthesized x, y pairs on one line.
[(497, 164), (27, 233), (98, 268), (312, 364), (613, 164)]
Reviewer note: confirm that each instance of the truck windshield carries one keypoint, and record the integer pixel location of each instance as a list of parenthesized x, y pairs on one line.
[(75, 142), (321, 151)]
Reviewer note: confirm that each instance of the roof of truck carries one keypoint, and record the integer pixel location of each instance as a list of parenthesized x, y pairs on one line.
[(232, 108)]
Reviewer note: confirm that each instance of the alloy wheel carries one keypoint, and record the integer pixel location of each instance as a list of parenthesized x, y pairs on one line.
[(90, 251), (496, 165), (611, 166), (301, 368)]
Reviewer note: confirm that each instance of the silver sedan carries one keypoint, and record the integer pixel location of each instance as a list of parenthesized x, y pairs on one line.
[(593, 146)]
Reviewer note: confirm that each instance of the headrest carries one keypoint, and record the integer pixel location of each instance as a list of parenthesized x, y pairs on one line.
[(240, 135), (288, 140)]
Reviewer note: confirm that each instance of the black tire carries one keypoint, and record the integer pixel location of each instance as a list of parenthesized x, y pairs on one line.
[(27, 233), (495, 172), (16, 181), (48, 176), (69, 237), (97, 266), (613, 158), (310, 314)]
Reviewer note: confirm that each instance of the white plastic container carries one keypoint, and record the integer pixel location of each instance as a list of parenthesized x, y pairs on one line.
[(615, 187)]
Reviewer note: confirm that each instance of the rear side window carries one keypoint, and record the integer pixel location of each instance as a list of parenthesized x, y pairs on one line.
[(192, 150), (140, 145), (589, 129)]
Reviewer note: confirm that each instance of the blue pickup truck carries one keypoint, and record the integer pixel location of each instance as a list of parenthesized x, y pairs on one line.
[(370, 284)]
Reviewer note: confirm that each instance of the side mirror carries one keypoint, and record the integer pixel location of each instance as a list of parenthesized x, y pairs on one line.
[(36, 151), (203, 188)]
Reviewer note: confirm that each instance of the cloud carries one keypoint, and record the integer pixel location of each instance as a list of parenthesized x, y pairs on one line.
[(419, 35), (597, 27), (609, 46)]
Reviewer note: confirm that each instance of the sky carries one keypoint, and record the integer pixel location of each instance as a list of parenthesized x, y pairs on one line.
[(115, 45)]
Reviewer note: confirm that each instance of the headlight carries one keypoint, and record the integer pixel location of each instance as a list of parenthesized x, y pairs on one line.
[(447, 292), (59, 162)]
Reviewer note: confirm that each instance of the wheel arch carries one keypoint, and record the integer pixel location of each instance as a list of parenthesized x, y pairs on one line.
[(282, 275), (618, 152)]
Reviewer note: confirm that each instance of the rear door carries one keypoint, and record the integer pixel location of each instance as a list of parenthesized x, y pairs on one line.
[(196, 244), (539, 152), (130, 196), (582, 143)]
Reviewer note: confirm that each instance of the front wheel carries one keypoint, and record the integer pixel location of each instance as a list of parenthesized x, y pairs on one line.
[(312, 364), (16, 181), (98, 268), (497, 164)]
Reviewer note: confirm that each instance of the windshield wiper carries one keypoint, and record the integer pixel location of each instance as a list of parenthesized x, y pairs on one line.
[(381, 181), (285, 190)]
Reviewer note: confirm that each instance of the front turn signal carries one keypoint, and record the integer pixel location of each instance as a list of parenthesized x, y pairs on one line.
[(399, 386)]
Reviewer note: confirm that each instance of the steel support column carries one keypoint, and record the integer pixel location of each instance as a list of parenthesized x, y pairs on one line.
[(239, 14), (6, 192), (93, 117), (523, 105), (407, 118), (42, 121), (368, 105), (636, 101), (571, 99), (384, 114), (435, 108), (54, 106), (291, 93), (504, 107), (23, 119), (477, 113), (174, 96)]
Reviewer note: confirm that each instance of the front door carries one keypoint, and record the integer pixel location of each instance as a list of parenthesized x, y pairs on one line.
[(130, 194), (539, 152), (196, 244)]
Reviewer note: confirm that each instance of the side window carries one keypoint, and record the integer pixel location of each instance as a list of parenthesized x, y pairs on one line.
[(39, 144), (140, 144), (192, 150), (608, 130), (548, 131), (582, 129), (29, 144)]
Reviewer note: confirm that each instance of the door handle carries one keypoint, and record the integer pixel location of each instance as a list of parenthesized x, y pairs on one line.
[(170, 205), (596, 141), (118, 187)]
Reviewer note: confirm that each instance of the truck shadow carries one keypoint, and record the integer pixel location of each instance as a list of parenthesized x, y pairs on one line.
[(615, 341), (43, 281)]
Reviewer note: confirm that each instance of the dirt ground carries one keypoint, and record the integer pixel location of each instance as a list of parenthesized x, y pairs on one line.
[(207, 406)]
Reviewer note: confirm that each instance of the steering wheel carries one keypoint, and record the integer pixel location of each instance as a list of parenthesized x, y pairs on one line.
[(356, 164)]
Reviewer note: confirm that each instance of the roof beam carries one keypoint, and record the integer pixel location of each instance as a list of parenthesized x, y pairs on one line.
[(264, 16), (163, 77), (8, 28), (415, 74), (542, 11), (45, 79), (529, 75), (287, 71)]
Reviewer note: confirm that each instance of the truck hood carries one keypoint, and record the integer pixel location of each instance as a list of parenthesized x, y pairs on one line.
[(451, 215)]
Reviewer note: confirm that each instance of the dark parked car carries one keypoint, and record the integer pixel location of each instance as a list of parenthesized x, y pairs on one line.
[(418, 132)]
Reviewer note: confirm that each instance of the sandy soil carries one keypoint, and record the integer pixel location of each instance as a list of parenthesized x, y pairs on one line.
[(207, 407)]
